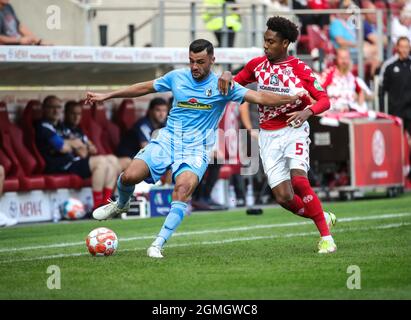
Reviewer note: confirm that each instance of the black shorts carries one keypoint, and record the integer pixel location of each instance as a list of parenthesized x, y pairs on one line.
[(80, 167)]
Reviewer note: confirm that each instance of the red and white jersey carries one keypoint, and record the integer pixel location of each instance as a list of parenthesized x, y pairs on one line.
[(341, 88), (288, 77)]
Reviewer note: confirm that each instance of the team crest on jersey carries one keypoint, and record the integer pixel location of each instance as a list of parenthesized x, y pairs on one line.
[(274, 80), (208, 92), (287, 71)]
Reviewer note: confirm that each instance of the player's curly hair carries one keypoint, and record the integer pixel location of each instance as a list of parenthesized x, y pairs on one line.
[(284, 27)]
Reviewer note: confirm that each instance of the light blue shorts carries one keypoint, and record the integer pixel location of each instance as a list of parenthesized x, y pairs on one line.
[(160, 156)]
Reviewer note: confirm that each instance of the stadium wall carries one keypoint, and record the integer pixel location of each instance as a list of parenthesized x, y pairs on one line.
[(73, 30)]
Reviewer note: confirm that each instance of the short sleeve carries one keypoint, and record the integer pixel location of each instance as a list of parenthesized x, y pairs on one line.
[(237, 94), (246, 75), (336, 29), (14, 15), (164, 83)]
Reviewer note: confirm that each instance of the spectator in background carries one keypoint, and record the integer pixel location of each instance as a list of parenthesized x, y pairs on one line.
[(72, 130), (401, 26), (371, 37), (213, 20), (342, 87), (63, 155), (343, 34), (141, 132), (396, 82), (5, 221), (321, 20), (12, 31), (370, 25)]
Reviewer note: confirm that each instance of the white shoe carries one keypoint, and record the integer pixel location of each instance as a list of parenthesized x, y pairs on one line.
[(330, 218), (3, 220), (154, 252), (6, 221), (110, 210)]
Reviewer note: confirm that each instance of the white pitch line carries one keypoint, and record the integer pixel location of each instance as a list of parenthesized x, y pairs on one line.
[(218, 242), (210, 231)]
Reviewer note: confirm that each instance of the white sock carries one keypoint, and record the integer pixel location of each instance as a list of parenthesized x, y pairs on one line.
[(328, 238)]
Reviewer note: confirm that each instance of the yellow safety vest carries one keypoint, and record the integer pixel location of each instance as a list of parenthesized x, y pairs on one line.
[(214, 17)]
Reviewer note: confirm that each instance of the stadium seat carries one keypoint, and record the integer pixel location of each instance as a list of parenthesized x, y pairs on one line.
[(395, 8), (111, 132), (92, 129), (126, 115), (303, 43), (317, 39), (10, 184), (26, 182), (31, 114)]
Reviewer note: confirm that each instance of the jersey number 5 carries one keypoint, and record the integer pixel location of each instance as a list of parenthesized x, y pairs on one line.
[(299, 149)]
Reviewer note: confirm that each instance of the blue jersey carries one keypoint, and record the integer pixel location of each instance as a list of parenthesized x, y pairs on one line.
[(190, 131), (197, 106)]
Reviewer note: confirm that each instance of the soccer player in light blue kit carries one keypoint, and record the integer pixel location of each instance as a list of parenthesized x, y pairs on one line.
[(184, 143)]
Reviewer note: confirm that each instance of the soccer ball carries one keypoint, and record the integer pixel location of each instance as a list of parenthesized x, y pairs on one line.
[(73, 209), (102, 242)]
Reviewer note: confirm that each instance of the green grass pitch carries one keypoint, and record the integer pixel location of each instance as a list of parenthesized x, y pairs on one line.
[(221, 255)]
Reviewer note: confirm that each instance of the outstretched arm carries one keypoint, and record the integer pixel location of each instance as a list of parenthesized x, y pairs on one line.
[(135, 90), (271, 99)]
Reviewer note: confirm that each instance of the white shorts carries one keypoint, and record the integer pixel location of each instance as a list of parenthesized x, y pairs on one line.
[(282, 150)]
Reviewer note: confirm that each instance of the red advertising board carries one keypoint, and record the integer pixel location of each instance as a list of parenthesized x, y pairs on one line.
[(377, 154)]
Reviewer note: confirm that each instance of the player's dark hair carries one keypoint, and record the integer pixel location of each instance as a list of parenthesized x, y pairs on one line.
[(157, 102), (70, 105), (402, 38), (47, 101), (200, 45), (285, 28)]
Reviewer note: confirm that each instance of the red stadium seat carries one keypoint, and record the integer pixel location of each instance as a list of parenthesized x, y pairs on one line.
[(317, 39), (395, 8), (31, 114), (126, 115), (23, 163), (92, 129), (26, 182), (111, 133), (10, 184)]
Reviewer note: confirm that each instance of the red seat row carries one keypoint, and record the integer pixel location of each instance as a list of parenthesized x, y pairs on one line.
[(23, 163)]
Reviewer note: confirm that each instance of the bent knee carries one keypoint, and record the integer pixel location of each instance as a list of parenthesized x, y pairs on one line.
[(129, 177), (97, 161), (283, 198)]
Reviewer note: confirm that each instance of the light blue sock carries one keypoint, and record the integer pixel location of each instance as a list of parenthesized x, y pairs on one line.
[(173, 220), (124, 192)]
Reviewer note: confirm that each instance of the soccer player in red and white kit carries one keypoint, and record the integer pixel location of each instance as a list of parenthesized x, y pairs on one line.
[(284, 135)]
